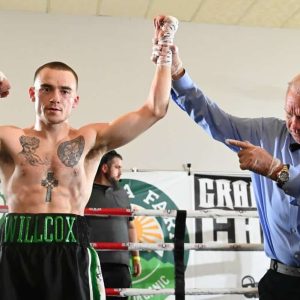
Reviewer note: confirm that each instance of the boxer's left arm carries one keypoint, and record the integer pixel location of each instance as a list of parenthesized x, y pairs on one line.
[(129, 126), (4, 85)]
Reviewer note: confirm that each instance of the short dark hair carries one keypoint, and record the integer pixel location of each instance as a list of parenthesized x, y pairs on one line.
[(107, 158), (56, 65)]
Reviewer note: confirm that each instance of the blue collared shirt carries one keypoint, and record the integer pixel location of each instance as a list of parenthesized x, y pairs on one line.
[(278, 208)]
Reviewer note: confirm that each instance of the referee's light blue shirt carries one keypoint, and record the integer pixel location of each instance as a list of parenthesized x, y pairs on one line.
[(278, 208)]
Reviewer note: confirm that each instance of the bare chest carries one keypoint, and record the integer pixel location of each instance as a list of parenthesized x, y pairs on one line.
[(36, 152), (31, 156)]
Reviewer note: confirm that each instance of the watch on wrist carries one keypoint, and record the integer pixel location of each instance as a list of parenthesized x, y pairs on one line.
[(283, 176)]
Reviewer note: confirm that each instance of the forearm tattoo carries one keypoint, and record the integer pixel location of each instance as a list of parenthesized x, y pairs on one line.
[(70, 152), (29, 145)]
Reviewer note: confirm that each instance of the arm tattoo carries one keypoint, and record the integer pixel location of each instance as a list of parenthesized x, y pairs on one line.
[(29, 145), (70, 152)]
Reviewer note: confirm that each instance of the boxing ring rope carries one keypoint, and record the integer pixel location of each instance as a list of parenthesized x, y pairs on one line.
[(211, 246), (125, 212), (195, 291), (249, 291), (198, 214)]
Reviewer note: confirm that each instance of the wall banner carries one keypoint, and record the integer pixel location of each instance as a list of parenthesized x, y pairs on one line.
[(229, 193), (205, 269)]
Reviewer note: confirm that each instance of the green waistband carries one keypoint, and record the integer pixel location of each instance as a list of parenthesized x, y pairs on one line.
[(42, 228)]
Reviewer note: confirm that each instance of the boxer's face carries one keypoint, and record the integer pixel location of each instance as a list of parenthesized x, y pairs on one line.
[(54, 94)]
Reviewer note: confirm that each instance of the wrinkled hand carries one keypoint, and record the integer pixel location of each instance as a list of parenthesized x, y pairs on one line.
[(158, 22), (256, 159), (4, 86), (177, 66), (137, 268)]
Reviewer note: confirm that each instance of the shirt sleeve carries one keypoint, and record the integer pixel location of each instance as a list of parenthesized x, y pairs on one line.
[(207, 114), (268, 133)]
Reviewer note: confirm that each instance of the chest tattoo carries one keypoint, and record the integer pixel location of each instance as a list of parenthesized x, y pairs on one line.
[(70, 152), (29, 147), (49, 183)]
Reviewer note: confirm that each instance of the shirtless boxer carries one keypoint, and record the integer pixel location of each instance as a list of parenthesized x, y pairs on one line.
[(47, 172)]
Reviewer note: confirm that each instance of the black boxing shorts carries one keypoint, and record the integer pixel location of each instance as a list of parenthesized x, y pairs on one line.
[(48, 256)]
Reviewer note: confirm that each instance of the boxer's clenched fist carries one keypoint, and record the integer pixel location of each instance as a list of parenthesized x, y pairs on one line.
[(165, 28), (4, 86)]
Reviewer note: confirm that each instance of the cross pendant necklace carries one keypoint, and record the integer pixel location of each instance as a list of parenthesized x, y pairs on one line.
[(50, 183)]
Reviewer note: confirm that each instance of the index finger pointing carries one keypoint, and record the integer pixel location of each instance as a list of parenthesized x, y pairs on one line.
[(237, 143)]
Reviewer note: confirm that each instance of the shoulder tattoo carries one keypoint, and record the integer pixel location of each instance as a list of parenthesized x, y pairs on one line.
[(70, 152)]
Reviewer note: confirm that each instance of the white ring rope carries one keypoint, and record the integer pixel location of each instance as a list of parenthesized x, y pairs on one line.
[(203, 291), (211, 246), (206, 213)]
